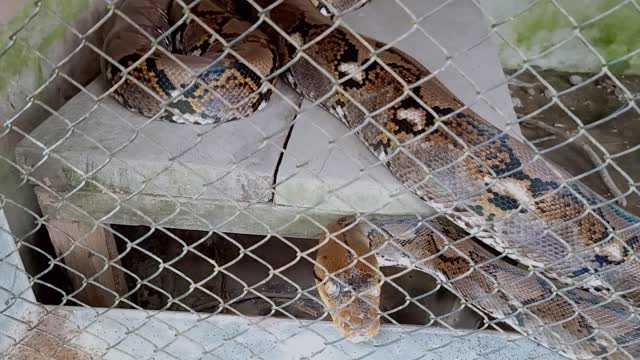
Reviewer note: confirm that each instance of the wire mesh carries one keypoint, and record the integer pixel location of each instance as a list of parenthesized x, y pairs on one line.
[(152, 230)]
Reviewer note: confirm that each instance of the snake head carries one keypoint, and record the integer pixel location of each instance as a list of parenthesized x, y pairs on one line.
[(349, 283)]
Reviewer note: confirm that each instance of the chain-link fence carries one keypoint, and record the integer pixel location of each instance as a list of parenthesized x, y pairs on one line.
[(128, 237)]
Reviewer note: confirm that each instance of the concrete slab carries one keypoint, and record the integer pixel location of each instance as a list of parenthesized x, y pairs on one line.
[(130, 334), (126, 153), (343, 176), (313, 167), (180, 213)]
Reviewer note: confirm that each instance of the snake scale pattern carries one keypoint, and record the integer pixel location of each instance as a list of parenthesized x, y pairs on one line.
[(579, 292)]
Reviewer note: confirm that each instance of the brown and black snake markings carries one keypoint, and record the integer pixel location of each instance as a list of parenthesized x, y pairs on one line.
[(515, 239)]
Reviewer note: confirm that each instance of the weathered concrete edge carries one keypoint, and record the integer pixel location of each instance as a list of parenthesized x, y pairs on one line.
[(62, 177), (208, 215), (182, 213), (363, 196), (187, 336)]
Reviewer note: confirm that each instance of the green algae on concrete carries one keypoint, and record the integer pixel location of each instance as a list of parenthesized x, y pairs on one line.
[(544, 26), (39, 33)]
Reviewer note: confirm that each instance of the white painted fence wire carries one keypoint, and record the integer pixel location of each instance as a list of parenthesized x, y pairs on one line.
[(130, 238)]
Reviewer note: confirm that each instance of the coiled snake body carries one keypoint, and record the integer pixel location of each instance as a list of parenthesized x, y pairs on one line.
[(486, 183)]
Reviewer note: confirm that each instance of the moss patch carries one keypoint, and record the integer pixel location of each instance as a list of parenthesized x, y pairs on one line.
[(539, 26), (40, 33), (617, 35), (613, 36)]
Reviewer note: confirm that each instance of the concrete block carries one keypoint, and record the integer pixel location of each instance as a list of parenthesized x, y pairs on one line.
[(340, 176), (126, 153)]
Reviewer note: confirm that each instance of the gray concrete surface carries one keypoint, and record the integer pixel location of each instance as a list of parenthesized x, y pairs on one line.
[(129, 335), (343, 176)]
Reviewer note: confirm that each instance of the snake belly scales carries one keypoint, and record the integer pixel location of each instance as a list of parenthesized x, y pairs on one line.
[(581, 290)]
